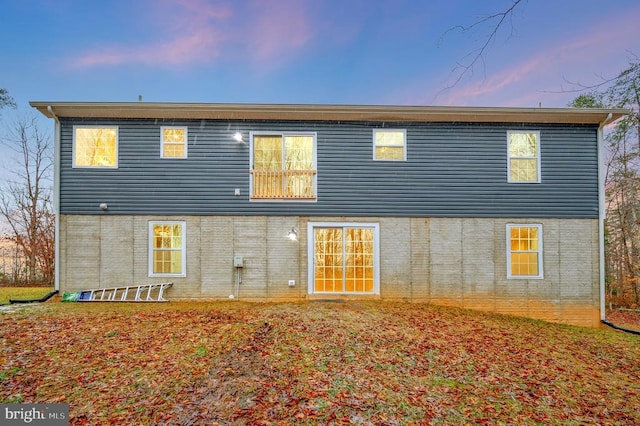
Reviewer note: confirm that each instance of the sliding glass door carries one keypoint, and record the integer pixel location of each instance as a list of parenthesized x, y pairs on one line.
[(344, 258)]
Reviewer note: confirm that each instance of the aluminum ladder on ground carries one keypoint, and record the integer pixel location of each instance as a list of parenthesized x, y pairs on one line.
[(143, 293)]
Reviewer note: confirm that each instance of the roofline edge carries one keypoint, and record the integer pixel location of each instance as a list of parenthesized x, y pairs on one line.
[(325, 112)]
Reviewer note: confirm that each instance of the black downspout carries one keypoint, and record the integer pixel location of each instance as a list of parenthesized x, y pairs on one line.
[(617, 327), (42, 299)]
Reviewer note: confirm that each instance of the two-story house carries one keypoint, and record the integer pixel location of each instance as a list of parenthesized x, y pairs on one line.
[(497, 209)]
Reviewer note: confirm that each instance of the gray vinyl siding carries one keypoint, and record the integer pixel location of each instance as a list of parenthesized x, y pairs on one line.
[(452, 170)]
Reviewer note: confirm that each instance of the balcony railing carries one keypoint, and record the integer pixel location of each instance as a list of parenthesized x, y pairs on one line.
[(284, 184)]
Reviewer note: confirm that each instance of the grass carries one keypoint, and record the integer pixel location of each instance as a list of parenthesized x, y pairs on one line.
[(7, 293), (314, 363)]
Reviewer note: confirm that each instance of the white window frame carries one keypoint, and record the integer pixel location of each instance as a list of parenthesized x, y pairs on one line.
[(404, 145), (283, 135), (311, 254), (151, 249), (73, 148), (540, 251), (538, 156), (163, 143)]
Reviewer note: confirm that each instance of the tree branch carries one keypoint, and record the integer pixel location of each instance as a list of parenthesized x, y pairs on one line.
[(477, 55)]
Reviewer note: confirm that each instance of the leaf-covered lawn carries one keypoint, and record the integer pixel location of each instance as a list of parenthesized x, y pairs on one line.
[(7, 293), (310, 363)]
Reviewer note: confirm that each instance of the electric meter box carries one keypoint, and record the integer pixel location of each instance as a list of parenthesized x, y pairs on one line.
[(238, 261)]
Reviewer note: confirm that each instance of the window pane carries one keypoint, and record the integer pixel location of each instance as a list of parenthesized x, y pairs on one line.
[(533, 238), (524, 170), (359, 260), (167, 236), (524, 238), (167, 262), (176, 261), (523, 145), (174, 135), (298, 156), (524, 264), (173, 150), (161, 262), (267, 152), (95, 147), (389, 153), (176, 240), (390, 138), (299, 152), (519, 239), (328, 259)]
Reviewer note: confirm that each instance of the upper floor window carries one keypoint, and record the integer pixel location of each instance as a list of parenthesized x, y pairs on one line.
[(167, 249), (174, 142), (283, 166), (524, 251), (524, 157), (95, 146), (389, 144)]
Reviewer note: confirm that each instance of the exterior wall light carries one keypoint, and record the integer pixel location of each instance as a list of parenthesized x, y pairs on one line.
[(292, 235), (238, 137), (103, 206)]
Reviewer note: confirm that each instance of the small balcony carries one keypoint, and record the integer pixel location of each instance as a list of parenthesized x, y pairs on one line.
[(283, 185)]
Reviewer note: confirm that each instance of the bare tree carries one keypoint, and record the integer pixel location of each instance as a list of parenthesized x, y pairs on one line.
[(25, 200), (491, 25), (622, 181)]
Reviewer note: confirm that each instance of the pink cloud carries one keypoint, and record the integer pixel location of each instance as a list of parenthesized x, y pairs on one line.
[(189, 31), (205, 9), (197, 31), (508, 78), (200, 46), (277, 28)]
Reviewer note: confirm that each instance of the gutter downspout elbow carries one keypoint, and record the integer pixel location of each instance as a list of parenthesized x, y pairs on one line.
[(606, 120)]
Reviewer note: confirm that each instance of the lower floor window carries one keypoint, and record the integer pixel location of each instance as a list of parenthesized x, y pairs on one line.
[(167, 254), (524, 251), (344, 258)]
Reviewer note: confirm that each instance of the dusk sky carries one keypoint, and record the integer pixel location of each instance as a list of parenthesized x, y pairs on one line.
[(309, 51)]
